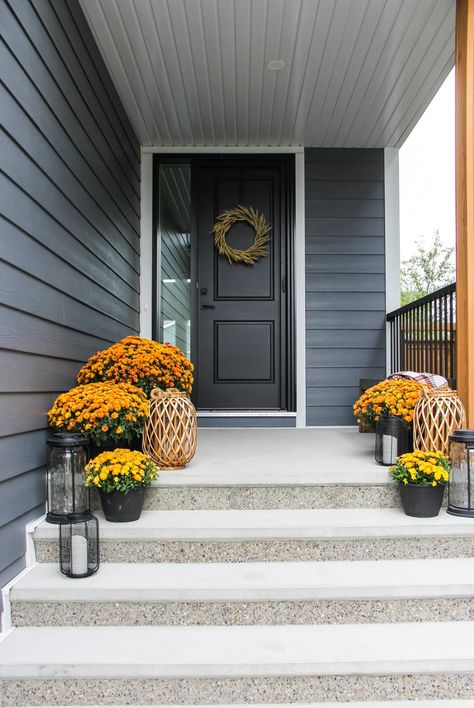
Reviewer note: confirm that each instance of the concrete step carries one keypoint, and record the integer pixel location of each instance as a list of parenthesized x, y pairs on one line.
[(293, 495), (277, 535), (199, 665), (248, 593), (277, 469)]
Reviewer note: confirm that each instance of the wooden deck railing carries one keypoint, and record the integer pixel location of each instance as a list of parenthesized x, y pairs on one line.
[(423, 334)]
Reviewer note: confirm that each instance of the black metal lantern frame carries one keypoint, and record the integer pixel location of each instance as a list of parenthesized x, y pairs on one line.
[(79, 552), (67, 493), (392, 438), (461, 480)]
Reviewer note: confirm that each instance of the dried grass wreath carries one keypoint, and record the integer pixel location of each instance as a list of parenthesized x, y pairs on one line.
[(256, 220)]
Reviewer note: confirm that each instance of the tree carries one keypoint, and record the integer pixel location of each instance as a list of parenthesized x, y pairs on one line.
[(431, 267)]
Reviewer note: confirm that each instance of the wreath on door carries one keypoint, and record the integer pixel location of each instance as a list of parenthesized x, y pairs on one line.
[(257, 221)]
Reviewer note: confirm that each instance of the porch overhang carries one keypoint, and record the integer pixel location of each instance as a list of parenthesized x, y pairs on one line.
[(356, 73)]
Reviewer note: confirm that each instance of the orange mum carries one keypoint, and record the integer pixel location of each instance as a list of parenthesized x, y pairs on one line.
[(101, 410), (142, 362), (391, 397)]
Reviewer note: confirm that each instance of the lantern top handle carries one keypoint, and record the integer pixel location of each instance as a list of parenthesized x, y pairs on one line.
[(67, 440), (465, 436), (167, 393), (440, 392)]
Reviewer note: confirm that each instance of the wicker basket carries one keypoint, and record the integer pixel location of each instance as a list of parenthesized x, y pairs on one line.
[(437, 414), (169, 436)]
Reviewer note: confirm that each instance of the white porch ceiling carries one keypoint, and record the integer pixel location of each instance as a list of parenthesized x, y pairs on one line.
[(358, 73)]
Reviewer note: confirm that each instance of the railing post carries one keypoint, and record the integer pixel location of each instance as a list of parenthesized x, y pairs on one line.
[(465, 204)]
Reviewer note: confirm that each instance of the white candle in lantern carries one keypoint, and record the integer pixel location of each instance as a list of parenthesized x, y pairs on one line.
[(79, 564), (389, 449)]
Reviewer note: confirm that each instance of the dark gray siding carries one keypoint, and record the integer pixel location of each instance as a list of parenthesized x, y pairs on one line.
[(345, 279), (69, 236)]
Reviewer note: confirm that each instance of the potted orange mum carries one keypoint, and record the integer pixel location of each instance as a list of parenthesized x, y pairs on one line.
[(389, 407), (102, 411), (391, 397), (142, 362)]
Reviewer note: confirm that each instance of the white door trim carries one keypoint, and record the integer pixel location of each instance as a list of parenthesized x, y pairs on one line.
[(300, 290), (223, 150), (146, 246), (392, 237)]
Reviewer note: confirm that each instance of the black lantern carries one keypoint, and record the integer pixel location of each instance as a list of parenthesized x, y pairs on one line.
[(79, 545), (67, 494), (461, 480), (392, 438)]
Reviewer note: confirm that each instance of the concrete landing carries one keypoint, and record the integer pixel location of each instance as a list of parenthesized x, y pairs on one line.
[(280, 456)]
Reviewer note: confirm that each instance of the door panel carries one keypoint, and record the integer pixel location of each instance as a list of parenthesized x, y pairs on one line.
[(241, 310), (244, 352)]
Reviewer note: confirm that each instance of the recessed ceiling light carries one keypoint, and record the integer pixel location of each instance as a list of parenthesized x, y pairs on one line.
[(275, 64)]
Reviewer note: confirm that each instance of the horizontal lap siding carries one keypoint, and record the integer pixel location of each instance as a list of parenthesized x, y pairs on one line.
[(345, 279), (69, 236)]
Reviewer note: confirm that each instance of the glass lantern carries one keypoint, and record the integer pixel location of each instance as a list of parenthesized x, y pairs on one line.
[(392, 438), (461, 480), (67, 494), (79, 545)]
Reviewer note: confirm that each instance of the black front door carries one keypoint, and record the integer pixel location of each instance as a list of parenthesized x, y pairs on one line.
[(242, 333)]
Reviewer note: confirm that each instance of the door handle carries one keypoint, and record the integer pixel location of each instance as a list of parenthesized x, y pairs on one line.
[(208, 307)]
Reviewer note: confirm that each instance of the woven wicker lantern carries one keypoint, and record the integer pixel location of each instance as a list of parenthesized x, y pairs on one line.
[(436, 415), (169, 436)]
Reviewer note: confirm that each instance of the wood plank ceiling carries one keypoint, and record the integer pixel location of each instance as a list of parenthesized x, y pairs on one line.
[(357, 73)]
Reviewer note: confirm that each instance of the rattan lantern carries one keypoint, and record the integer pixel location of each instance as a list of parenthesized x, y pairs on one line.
[(436, 415), (169, 436)]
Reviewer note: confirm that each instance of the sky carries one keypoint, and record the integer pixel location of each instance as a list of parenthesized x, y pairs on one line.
[(427, 200)]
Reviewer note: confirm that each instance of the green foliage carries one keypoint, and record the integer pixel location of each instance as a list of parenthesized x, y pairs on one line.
[(431, 268)]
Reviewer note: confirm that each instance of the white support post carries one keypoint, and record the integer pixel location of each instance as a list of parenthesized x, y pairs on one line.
[(300, 291), (392, 237), (146, 244)]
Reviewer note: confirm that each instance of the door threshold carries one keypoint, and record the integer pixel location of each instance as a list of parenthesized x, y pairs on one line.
[(215, 413)]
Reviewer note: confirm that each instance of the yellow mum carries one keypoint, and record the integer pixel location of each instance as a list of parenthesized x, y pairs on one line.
[(128, 468)]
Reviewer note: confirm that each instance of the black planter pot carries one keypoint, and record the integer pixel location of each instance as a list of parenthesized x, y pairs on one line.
[(119, 507), (420, 500)]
